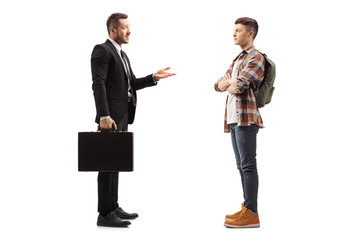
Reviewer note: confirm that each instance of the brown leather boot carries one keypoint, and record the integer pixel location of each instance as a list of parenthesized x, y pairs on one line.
[(246, 219), (233, 216)]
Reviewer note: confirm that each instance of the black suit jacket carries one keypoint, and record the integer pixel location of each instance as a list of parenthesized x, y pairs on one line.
[(110, 83)]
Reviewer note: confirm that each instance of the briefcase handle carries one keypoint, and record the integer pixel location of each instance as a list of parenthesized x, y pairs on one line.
[(112, 129)]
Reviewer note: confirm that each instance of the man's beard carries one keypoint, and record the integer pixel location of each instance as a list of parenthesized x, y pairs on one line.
[(119, 39)]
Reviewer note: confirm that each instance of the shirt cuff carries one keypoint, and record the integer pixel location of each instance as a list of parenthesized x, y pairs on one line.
[(155, 80), (216, 85), (105, 117)]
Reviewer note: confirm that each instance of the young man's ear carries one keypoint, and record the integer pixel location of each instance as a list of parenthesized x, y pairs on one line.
[(251, 34)]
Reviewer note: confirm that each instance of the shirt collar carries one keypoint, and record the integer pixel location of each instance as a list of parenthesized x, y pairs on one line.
[(248, 50), (116, 45)]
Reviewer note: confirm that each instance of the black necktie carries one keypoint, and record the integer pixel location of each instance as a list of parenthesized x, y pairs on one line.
[(127, 70)]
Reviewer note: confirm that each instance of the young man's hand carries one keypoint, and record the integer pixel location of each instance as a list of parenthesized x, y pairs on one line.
[(228, 86), (223, 85), (231, 89), (224, 82)]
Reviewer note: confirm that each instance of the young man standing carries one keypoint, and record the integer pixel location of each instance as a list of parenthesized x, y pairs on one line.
[(115, 86), (242, 118)]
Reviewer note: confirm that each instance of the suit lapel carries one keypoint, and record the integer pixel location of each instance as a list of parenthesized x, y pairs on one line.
[(113, 48), (126, 61)]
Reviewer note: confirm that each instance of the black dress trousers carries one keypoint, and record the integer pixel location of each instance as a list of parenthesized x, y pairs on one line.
[(108, 182)]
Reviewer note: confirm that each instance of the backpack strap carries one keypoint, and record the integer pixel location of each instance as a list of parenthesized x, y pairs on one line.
[(246, 60)]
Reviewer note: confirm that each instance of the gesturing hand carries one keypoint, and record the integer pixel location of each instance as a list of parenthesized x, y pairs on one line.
[(163, 74)]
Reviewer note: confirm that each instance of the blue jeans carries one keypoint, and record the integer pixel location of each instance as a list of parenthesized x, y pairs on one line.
[(244, 143)]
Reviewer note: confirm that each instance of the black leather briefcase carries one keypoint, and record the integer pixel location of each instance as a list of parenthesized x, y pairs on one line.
[(105, 151)]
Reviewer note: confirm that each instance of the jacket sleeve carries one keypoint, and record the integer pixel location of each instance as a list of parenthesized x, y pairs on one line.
[(99, 71), (140, 83)]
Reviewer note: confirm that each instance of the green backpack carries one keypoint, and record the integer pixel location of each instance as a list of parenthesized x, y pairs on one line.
[(264, 93)]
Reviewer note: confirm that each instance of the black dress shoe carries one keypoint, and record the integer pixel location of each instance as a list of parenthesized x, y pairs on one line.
[(111, 220), (124, 215)]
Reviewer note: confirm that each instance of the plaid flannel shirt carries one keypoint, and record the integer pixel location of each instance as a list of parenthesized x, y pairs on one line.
[(252, 73)]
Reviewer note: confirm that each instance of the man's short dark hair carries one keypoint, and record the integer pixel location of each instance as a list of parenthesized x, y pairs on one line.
[(249, 23), (113, 20)]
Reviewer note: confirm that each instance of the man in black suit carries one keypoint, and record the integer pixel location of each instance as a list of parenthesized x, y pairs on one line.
[(114, 86)]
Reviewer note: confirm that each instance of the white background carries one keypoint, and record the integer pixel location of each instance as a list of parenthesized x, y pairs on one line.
[(185, 177)]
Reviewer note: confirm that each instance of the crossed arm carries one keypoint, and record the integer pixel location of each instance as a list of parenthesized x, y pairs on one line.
[(224, 84), (253, 72)]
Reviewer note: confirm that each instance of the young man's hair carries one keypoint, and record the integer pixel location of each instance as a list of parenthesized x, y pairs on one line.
[(250, 25), (113, 20)]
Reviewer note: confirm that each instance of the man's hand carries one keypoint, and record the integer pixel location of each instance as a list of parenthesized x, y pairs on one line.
[(224, 82), (163, 74), (232, 89), (223, 85), (229, 87), (107, 123)]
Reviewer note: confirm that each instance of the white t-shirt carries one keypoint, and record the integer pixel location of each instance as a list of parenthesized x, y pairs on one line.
[(231, 104)]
